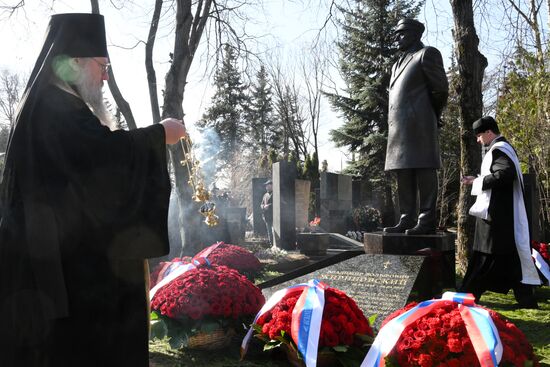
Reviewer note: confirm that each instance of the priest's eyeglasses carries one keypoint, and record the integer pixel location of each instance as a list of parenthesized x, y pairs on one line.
[(104, 67)]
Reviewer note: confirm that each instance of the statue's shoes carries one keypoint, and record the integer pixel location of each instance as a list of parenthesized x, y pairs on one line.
[(419, 230), (400, 228)]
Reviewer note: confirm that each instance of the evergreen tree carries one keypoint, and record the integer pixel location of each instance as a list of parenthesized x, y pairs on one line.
[(367, 53), (290, 117), (226, 114), (264, 134)]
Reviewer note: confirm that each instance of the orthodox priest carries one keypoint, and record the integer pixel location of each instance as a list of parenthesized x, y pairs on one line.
[(82, 206), (501, 257)]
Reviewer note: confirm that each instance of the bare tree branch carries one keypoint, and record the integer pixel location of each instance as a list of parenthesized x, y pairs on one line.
[(151, 74), (12, 9), (95, 6), (122, 104), (10, 93)]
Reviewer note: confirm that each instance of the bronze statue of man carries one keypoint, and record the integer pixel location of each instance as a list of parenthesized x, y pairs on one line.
[(418, 93)]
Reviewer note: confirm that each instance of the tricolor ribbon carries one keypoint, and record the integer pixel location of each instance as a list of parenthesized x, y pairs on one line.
[(479, 326), (541, 264), (174, 270), (207, 251), (306, 318)]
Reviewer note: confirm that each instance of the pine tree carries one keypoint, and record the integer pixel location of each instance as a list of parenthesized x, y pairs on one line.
[(264, 134), (226, 114), (367, 53)]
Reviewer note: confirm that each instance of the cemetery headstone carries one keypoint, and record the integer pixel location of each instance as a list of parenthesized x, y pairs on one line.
[(284, 211), (302, 188), (336, 201), (236, 224), (438, 248), (379, 284)]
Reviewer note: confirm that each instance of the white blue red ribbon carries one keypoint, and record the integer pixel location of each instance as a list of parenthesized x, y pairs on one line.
[(207, 251), (479, 325), (541, 264), (306, 318), (174, 270)]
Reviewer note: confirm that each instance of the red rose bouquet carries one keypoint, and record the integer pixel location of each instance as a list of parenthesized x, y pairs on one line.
[(541, 257), (451, 332), (234, 257), (201, 300), (337, 326), (542, 248)]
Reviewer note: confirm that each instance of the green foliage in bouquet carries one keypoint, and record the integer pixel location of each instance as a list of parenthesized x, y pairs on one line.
[(346, 355), (179, 332), (365, 218)]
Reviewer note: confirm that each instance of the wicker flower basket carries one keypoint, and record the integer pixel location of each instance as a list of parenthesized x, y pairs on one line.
[(324, 359), (213, 340)]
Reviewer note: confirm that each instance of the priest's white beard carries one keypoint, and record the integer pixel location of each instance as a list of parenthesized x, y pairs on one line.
[(92, 94)]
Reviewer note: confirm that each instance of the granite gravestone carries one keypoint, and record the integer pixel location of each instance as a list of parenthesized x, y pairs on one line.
[(284, 211), (258, 191), (336, 201), (439, 270), (379, 284), (302, 188), (236, 224)]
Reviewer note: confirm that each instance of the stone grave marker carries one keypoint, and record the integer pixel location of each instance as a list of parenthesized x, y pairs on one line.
[(284, 210), (302, 188), (335, 202), (379, 284), (236, 224)]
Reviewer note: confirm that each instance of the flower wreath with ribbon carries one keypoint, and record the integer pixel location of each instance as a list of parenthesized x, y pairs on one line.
[(451, 331), (314, 306), (541, 257), (200, 298)]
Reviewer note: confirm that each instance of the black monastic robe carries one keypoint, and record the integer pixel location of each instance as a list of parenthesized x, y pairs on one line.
[(82, 207), (494, 264)]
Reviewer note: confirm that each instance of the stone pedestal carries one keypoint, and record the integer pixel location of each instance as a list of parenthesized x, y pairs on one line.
[(313, 244), (438, 271)]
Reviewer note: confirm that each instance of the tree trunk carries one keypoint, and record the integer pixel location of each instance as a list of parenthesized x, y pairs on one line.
[(122, 104), (151, 74), (471, 65), (188, 31)]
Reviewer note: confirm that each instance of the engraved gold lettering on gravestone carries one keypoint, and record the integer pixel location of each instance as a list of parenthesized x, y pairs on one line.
[(377, 292)]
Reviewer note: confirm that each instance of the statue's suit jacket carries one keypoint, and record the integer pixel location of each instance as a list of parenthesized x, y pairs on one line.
[(418, 92)]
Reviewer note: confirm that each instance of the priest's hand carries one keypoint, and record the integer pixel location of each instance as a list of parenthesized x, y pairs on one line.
[(174, 130)]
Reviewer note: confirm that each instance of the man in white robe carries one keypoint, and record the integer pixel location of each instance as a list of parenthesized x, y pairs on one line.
[(501, 259)]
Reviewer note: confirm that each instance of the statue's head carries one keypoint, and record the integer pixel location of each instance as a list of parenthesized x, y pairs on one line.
[(408, 32)]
